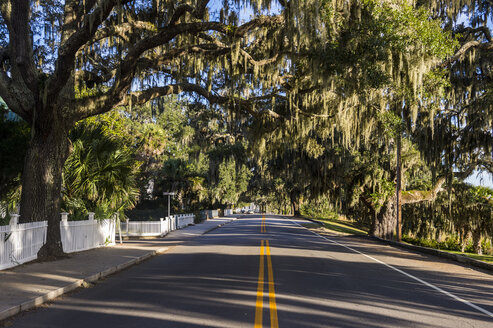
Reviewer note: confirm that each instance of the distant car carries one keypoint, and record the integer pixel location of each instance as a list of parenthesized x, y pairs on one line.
[(237, 211), (250, 211), (243, 210)]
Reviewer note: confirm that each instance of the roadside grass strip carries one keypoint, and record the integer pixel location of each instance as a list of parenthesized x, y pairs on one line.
[(343, 227), (485, 258), (259, 306), (438, 289)]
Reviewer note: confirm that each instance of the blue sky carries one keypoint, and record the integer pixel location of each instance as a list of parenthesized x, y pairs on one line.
[(483, 178)]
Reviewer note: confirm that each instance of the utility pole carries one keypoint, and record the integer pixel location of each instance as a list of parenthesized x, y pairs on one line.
[(398, 187)]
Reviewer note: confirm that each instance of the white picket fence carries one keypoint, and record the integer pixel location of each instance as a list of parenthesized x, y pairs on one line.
[(156, 228), (20, 243), (228, 211), (83, 235)]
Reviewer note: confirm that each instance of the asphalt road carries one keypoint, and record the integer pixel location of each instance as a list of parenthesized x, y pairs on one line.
[(275, 273)]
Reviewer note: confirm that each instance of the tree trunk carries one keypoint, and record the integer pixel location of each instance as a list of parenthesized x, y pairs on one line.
[(42, 183), (295, 203), (462, 239), (476, 241), (384, 225)]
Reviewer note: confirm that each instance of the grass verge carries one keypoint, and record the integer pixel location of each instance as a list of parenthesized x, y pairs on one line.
[(342, 226), (485, 258)]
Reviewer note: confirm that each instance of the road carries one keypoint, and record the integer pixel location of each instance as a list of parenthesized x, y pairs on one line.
[(272, 272)]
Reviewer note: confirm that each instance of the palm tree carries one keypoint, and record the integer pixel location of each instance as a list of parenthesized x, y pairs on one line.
[(99, 175)]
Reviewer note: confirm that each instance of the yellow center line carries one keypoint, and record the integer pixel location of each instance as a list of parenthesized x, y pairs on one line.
[(260, 290), (263, 227), (272, 293)]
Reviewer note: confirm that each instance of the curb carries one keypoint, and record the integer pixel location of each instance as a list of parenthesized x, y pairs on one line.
[(28, 305), (451, 256)]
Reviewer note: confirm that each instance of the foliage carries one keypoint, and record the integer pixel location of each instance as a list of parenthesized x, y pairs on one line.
[(451, 243), (320, 208), (323, 89), (14, 136), (99, 175), (232, 181), (466, 212)]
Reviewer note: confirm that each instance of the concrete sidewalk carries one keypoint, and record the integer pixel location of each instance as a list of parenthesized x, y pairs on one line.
[(33, 284)]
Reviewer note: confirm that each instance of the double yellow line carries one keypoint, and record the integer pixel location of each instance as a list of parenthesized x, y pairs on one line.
[(263, 227), (260, 288)]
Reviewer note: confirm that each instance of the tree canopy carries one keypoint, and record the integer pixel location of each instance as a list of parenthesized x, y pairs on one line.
[(334, 84)]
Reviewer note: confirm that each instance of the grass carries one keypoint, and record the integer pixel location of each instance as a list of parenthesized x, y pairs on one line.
[(443, 247), (343, 226), (485, 258)]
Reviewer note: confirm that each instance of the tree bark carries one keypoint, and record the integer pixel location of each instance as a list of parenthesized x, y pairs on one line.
[(384, 225), (476, 241), (295, 203), (42, 182)]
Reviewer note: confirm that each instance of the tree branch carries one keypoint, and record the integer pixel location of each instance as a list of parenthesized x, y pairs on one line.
[(464, 48), (127, 68), (122, 30), (18, 99), (66, 53), (480, 29), (197, 12), (117, 94), (156, 63), (100, 104), (416, 196), (20, 44)]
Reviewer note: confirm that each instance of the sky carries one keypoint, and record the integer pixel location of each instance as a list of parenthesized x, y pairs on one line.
[(483, 178)]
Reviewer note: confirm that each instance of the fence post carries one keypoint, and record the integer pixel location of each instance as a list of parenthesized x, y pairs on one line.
[(14, 219), (90, 215), (161, 227), (119, 222), (64, 217)]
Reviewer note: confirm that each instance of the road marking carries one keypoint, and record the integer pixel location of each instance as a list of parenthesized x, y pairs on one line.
[(263, 227), (457, 298), (260, 289), (272, 294)]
